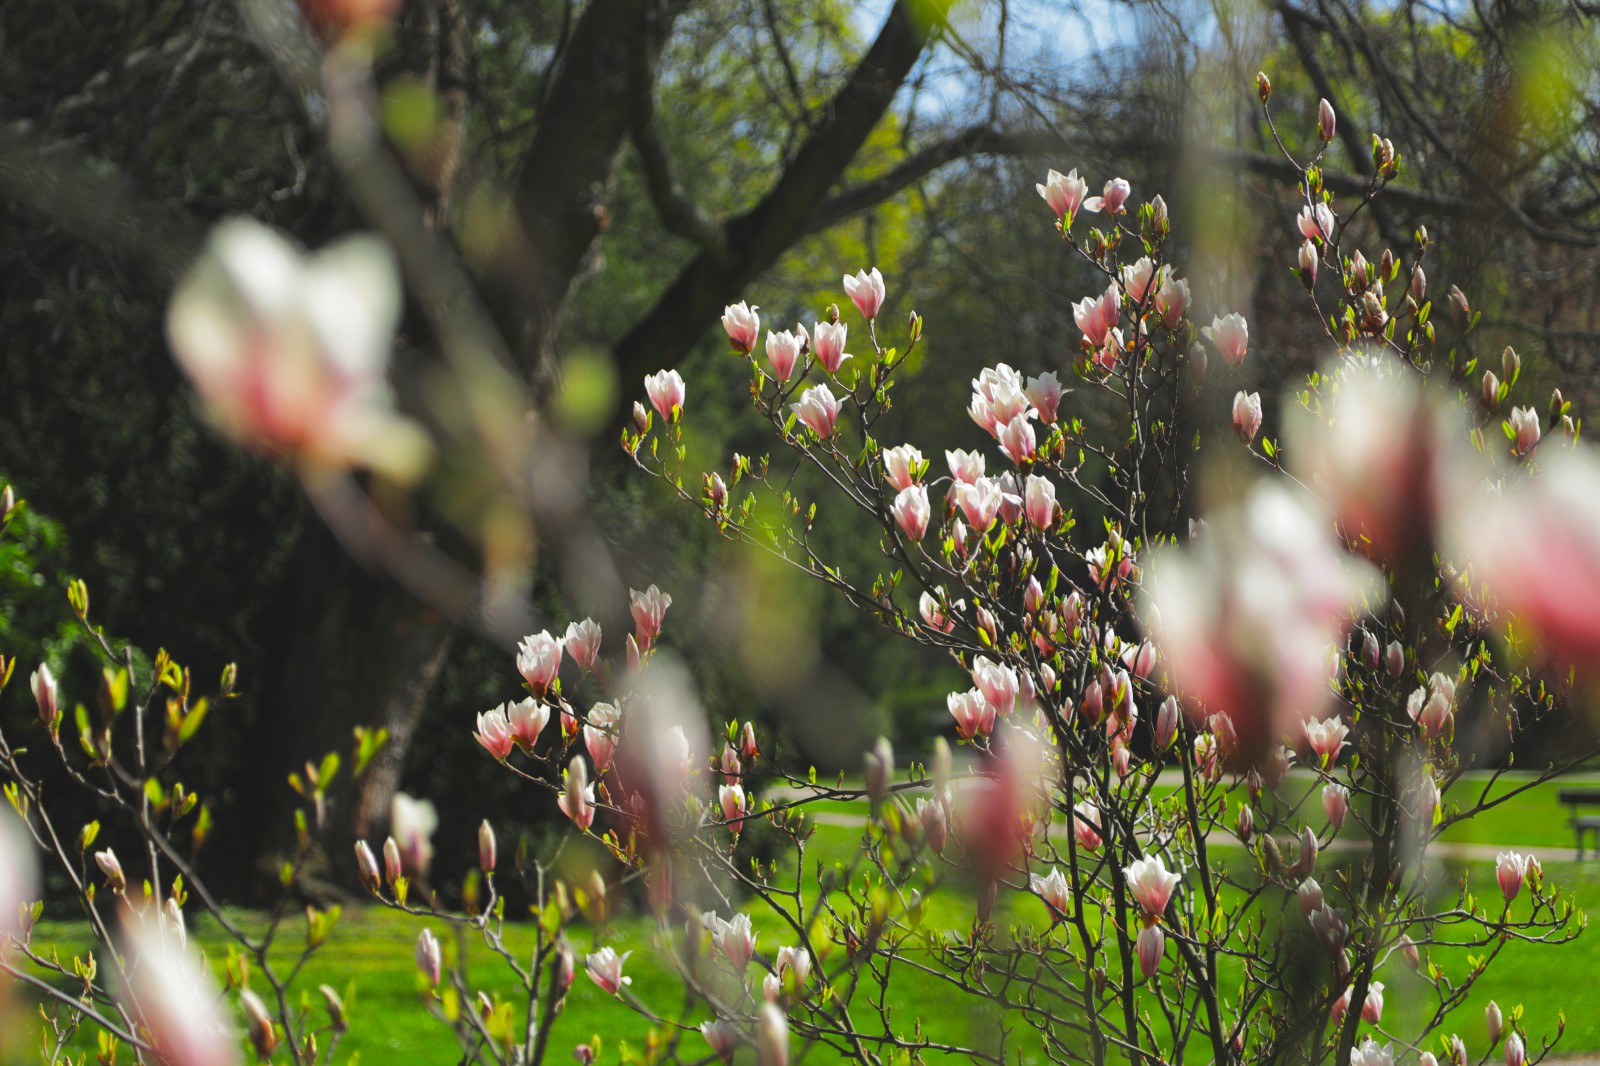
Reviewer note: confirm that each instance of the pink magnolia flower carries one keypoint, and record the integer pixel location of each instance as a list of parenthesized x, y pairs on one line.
[(817, 410), (1316, 223), (793, 961), (828, 339), (1010, 498), (723, 1036), (666, 391), (743, 325), (648, 608), (1335, 804), (1151, 884), (1326, 738), (1045, 392), (731, 799), (289, 352), (1111, 198), (911, 511), (1371, 1053), (1372, 1009), (1141, 279), (934, 615), (998, 396), (974, 714), (998, 684), (577, 796), (1063, 192), (430, 960), (582, 642), (1510, 869), (1097, 315), (1150, 946), (605, 970), (965, 467), (1247, 415), (1053, 890), (866, 290), (1172, 297), (1231, 335), (539, 661), (1523, 430), (1040, 502), (783, 352), (1017, 439), (980, 502), (735, 938), (1516, 1054), (901, 465), (494, 733), (600, 735), (1085, 826)]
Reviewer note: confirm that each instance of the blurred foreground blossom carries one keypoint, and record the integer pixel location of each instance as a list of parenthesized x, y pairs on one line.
[(176, 1000), (1374, 454), (1248, 613), (1535, 545), (17, 873), (411, 825), (289, 352)]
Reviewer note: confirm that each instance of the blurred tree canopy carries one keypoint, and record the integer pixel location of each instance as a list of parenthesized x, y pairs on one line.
[(608, 174)]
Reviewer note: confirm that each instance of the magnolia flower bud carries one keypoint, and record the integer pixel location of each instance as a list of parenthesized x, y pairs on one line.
[(1419, 284), (1516, 1054), (430, 961), (1325, 121), (1335, 803), (107, 861), (1309, 261), (1394, 659), (486, 847), (1372, 1009), (392, 868), (1493, 1019), (1371, 653), (1460, 310), (1151, 944), (1408, 948), (1247, 415), (1490, 396), (1263, 86), (747, 741), (1310, 894), (641, 418), (1166, 723), (263, 1036), (367, 867), (1247, 823)]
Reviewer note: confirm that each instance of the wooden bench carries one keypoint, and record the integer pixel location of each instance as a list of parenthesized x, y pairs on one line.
[(1576, 799)]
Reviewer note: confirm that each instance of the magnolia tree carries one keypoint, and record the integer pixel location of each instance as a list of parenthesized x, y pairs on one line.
[(1207, 745)]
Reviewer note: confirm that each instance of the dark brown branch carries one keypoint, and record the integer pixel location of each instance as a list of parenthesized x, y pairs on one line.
[(758, 237), (675, 207)]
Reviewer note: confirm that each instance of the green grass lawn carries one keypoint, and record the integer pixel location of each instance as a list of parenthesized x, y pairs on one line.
[(369, 959)]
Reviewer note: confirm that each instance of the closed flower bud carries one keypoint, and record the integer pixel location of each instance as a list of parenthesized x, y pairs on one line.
[(1335, 803), (880, 770), (1516, 1054), (430, 961), (1309, 260), (486, 847), (263, 1036), (107, 861), (1460, 310), (641, 418), (392, 868), (46, 694), (1247, 415), (1490, 396), (1494, 1021), (1151, 944), (1263, 86), (1166, 723), (1408, 948), (1394, 659), (1325, 121), (1247, 823), (367, 867), (1419, 284), (1371, 653)]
